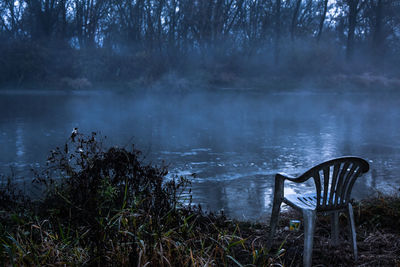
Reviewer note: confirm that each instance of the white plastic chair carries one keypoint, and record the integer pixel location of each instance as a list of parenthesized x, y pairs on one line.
[(334, 180)]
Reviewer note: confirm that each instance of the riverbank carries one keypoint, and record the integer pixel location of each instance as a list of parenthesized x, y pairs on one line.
[(112, 209), (202, 81)]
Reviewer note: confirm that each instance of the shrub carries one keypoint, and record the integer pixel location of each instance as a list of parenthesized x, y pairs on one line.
[(106, 206)]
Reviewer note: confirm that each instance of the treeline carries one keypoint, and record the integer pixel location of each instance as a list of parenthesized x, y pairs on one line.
[(126, 40)]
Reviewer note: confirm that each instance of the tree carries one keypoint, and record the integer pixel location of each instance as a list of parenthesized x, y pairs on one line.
[(294, 19), (88, 15), (354, 7), (44, 18), (322, 19)]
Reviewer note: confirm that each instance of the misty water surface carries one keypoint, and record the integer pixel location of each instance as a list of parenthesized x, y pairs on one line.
[(233, 142)]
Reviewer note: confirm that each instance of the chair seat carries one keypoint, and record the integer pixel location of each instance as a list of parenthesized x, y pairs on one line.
[(304, 201)]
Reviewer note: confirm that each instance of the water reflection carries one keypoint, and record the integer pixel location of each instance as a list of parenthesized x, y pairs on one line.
[(19, 145), (233, 143)]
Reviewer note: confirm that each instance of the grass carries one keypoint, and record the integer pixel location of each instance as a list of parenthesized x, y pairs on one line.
[(105, 207)]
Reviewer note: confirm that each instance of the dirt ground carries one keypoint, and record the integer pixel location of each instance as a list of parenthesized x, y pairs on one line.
[(378, 245)]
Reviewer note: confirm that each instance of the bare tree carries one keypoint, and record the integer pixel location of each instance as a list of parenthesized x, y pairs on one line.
[(88, 15), (11, 16)]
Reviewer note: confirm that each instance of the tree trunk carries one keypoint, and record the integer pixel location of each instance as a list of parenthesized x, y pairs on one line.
[(377, 41), (294, 19), (63, 32), (352, 20), (322, 21), (277, 30), (12, 14)]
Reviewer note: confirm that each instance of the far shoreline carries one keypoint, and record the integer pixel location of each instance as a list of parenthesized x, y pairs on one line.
[(333, 84)]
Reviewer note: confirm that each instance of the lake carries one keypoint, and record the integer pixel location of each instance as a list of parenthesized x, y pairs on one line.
[(229, 143)]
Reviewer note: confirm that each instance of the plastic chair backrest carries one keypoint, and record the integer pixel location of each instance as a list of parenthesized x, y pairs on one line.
[(334, 181)]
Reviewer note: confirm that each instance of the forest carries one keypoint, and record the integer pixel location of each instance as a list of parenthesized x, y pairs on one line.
[(77, 43)]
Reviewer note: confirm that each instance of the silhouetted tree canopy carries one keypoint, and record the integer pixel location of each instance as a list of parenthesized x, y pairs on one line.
[(121, 39)]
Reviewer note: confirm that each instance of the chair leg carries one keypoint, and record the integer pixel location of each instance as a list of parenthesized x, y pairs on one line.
[(274, 218), (350, 216), (278, 198), (309, 228), (335, 228)]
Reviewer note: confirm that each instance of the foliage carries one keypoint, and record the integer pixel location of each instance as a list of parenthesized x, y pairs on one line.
[(105, 206)]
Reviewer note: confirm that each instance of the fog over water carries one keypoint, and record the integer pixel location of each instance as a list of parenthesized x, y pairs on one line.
[(232, 141)]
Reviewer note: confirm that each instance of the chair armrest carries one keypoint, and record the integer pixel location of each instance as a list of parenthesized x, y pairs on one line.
[(283, 176), (280, 181)]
